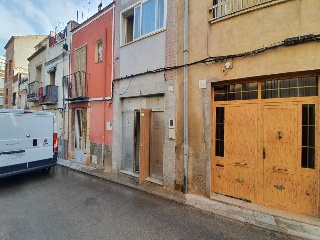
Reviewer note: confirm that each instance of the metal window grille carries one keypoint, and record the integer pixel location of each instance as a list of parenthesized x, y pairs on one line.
[(223, 8)]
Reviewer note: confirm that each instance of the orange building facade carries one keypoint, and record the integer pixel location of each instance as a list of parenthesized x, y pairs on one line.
[(89, 90)]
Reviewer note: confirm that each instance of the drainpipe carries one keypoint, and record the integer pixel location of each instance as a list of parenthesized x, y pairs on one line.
[(185, 98), (63, 137)]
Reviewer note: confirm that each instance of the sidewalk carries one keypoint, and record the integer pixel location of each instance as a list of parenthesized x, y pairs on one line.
[(295, 225)]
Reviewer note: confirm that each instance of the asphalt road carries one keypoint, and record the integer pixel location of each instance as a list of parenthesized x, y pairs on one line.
[(69, 205)]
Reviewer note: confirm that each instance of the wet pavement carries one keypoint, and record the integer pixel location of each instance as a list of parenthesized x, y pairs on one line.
[(70, 205)]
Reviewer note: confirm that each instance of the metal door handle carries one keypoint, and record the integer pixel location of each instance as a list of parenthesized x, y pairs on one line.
[(280, 187), (240, 180), (240, 164), (279, 134), (279, 169)]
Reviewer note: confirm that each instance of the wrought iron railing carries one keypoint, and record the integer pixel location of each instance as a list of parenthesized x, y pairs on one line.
[(33, 91), (226, 7), (58, 37)]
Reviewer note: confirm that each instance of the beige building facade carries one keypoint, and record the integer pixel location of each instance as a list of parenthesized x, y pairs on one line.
[(253, 102), (18, 49), (144, 103)]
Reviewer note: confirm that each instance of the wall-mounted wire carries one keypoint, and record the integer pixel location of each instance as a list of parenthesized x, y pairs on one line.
[(286, 42)]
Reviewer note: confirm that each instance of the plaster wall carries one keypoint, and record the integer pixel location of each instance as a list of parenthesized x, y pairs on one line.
[(237, 34), (148, 88), (37, 61), (139, 53), (154, 51), (99, 73), (24, 48)]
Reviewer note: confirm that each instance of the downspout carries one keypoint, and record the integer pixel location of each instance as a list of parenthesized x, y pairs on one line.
[(63, 109), (185, 97)]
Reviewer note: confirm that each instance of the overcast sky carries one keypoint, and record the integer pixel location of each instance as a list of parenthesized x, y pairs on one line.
[(39, 17)]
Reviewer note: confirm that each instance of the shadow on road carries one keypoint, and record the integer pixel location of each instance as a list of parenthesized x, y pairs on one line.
[(24, 178)]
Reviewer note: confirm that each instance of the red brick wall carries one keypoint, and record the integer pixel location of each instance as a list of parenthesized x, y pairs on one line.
[(8, 80)]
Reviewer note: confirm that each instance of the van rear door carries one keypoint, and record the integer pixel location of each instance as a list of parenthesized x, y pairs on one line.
[(40, 126), (13, 142)]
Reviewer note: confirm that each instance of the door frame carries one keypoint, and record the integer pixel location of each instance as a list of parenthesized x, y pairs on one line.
[(259, 167)]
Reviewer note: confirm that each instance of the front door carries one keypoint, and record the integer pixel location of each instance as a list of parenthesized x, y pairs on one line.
[(144, 150), (280, 146), (80, 135), (236, 146)]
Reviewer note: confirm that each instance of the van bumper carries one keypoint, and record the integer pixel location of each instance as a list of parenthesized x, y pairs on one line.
[(26, 167)]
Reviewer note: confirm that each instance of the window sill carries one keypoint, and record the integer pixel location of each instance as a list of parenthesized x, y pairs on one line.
[(144, 36), (234, 14)]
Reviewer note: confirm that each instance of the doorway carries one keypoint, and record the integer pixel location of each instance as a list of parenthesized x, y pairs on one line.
[(80, 130), (143, 143)]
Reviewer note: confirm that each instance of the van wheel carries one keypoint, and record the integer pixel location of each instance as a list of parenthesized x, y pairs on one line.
[(46, 170)]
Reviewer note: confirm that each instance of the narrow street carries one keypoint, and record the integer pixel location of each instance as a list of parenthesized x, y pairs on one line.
[(69, 205)]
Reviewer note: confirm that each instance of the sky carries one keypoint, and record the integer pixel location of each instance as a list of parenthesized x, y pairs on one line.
[(39, 17)]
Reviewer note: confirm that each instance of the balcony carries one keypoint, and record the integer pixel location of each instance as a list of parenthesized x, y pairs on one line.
[(48, 95), (76, 86), (33, 92), (224, 8), (58, 37)]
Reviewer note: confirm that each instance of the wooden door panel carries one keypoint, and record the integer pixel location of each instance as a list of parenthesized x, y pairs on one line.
[(241, 182), (280, 138), (241, 134), (279, 188), (241, 138), (219, 179), (280, 158), (144, 160), (308, 195)]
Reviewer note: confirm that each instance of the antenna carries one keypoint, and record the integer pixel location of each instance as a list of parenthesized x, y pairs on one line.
[(100, 6), (88, 9), (82, 12)]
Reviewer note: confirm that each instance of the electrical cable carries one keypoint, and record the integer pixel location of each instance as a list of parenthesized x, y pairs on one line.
[(286, 42)]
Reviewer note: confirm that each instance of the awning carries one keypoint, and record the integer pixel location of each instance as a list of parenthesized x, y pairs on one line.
[(52, 69)]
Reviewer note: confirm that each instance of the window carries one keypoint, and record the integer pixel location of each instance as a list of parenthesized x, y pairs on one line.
[(146, 17), (99, 51), (220, 131), (53, 78), (14, 99), (7, 96), (10, 68), (293, 87), (223, 8), (240, 91), (308, 136), (38, 73)]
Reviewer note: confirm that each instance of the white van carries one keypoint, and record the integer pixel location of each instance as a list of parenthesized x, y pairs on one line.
[(28, 141)]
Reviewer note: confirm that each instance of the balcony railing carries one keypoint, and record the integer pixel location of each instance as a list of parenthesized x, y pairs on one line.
[(48, 95), (33, 92), (58, 37), (226, 7), (76, 86)]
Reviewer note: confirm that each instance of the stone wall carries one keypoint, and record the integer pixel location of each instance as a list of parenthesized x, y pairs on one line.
[(97, 150)]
